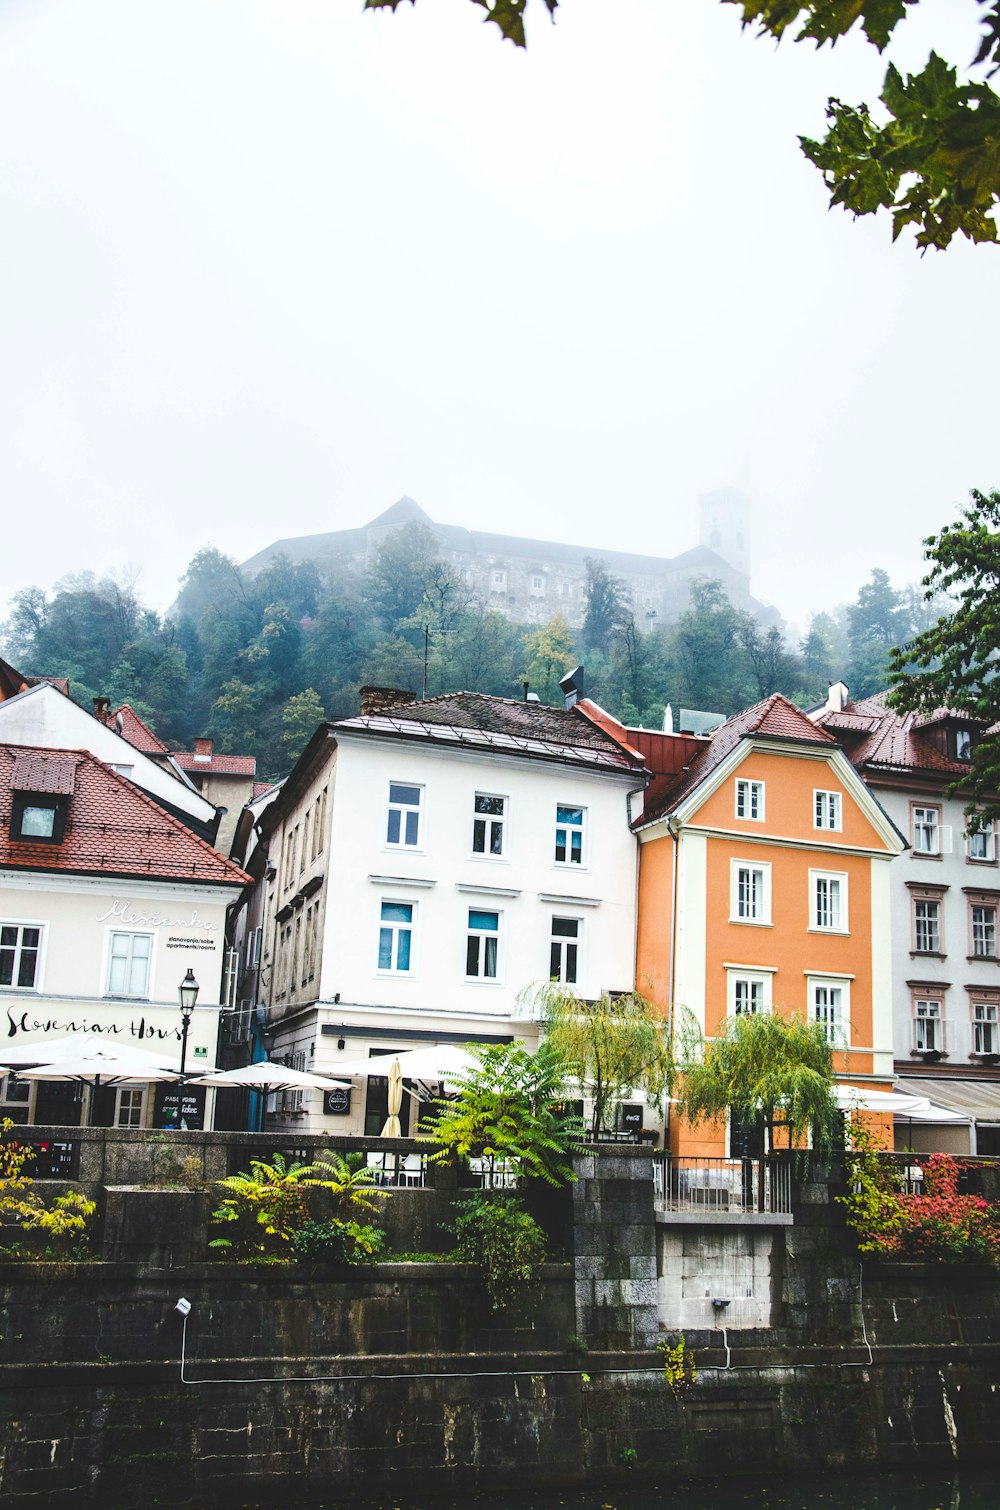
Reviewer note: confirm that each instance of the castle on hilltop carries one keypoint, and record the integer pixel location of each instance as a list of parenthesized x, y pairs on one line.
[(531, 580)]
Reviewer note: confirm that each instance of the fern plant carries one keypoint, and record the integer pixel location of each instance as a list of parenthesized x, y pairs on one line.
[(262, 1210)]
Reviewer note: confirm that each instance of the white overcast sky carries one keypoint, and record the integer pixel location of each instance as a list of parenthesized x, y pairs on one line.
[(266, 265)]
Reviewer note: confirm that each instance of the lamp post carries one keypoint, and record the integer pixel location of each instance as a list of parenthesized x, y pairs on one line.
[(188, 993)]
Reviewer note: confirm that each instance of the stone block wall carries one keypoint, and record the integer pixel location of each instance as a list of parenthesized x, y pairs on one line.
[(614, 1250)]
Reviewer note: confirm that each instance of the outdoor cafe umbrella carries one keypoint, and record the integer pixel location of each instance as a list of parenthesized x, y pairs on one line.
[(434, 1063), (268, 1077), (393, 1127), (77, 1045), (102, 1066)]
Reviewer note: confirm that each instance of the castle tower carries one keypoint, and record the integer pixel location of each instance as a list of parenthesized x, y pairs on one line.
[(725, 526)]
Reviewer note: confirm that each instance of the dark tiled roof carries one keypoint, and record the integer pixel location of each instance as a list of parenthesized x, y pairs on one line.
[(41, 771), (137, 732), (217, 765), (111, 828), (476, 719), (774, 718)]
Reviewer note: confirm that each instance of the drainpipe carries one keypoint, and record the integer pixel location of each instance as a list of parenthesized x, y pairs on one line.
[(673, 828)]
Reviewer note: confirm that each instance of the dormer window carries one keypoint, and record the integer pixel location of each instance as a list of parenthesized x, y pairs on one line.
[(36, 819), (963, 744)]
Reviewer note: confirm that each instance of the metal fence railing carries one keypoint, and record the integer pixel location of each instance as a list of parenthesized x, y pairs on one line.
[(707, 1186)]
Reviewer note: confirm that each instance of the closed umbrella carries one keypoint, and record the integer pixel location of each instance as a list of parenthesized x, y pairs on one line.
[(393, 1128)]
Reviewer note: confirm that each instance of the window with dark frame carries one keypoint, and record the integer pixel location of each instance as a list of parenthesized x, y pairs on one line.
[(564, 951), (20, 945), (489, 819)]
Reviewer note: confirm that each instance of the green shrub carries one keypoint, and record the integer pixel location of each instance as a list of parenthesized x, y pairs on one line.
[(507, 1245), (336, 1242), (31, 1228), (261, 1212)]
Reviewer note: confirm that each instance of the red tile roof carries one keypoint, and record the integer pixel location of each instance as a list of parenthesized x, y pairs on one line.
[(774, 718), (217, 765), (892, 741), (476, 719), (112, 828), (136, 731), (41, 771)]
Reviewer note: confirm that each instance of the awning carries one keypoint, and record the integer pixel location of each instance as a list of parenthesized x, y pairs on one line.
[(974, 1100)]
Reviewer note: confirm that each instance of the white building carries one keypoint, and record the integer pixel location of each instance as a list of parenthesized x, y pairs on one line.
[(426, 865), (945, 896), (44, 717), (106, 901)]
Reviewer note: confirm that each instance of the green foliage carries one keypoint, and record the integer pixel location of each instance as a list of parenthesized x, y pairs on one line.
[(761, 1064), (494, 1232), (507, 1113), (548, 655), (508, 15), (873, 1196), (613, 1047), (953, 663), (300, 718), (335, 1242), (679, 1369), (607, 606), (262, 1211), (32, 1229)]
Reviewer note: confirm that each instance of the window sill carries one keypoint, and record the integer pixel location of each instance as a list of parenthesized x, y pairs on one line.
[(983, 959), (837, 933), (480, 980), (923, 854), (752, 922), (927, 954), (988, 863)]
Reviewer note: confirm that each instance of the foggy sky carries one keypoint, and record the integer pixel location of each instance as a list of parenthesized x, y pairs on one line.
[(266, 265)]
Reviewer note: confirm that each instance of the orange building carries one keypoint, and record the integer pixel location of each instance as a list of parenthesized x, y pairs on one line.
[(764, 885)]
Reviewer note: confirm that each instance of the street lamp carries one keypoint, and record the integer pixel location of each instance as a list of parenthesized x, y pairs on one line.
[(188, 993)]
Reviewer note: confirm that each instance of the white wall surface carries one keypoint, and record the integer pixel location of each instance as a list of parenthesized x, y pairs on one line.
[(46, 718)]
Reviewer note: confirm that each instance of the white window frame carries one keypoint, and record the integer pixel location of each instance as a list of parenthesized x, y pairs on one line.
[(761, 919), (985, 1026), (404, 809), (569, 863), (928, 836), (922, 1018), (395, 926), (749, 799), (837, 1024), (743, 980), (130, 1091), (988, 837), (482, 937), (828, 810), (20, 924), (563, 943), (490, 822), (109, 960), (934, 902), (985, 931), (818, 879)]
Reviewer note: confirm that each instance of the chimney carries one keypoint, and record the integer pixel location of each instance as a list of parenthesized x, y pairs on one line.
[(572, 686), (203, 750), (102, 709), (837, 698), (375, 700)]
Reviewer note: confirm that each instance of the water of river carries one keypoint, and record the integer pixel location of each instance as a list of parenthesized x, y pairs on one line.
[(972, 1489)]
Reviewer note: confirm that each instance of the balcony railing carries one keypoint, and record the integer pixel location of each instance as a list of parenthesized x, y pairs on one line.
[(723, 1187)]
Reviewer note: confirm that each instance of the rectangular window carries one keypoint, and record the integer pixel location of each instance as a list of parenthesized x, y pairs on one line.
[(19, 950), (564, 951), (827, 812), (928, 1035), (963, 744), (482, 945), (403, 828), (489, 816), (128, 964), (569, 835), (927, 830), (38, 819), (926, 927), (131, 1105), (751, 893), (750, 800), (984, 931), (985, 1038), (829, 902), (395, 937), (982, 845), (829, 1009), (748, 995)]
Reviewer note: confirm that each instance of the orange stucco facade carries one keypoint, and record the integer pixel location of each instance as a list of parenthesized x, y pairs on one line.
[(698, 950)]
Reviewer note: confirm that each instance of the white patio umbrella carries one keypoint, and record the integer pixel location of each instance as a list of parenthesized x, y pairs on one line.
[(268, 1077), (860, 1098), (432, 1063), (103, 1067), (81, 1046), (393, 1127)]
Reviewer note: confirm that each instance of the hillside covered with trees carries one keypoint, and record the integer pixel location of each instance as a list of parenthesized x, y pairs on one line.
[(257, 661)]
